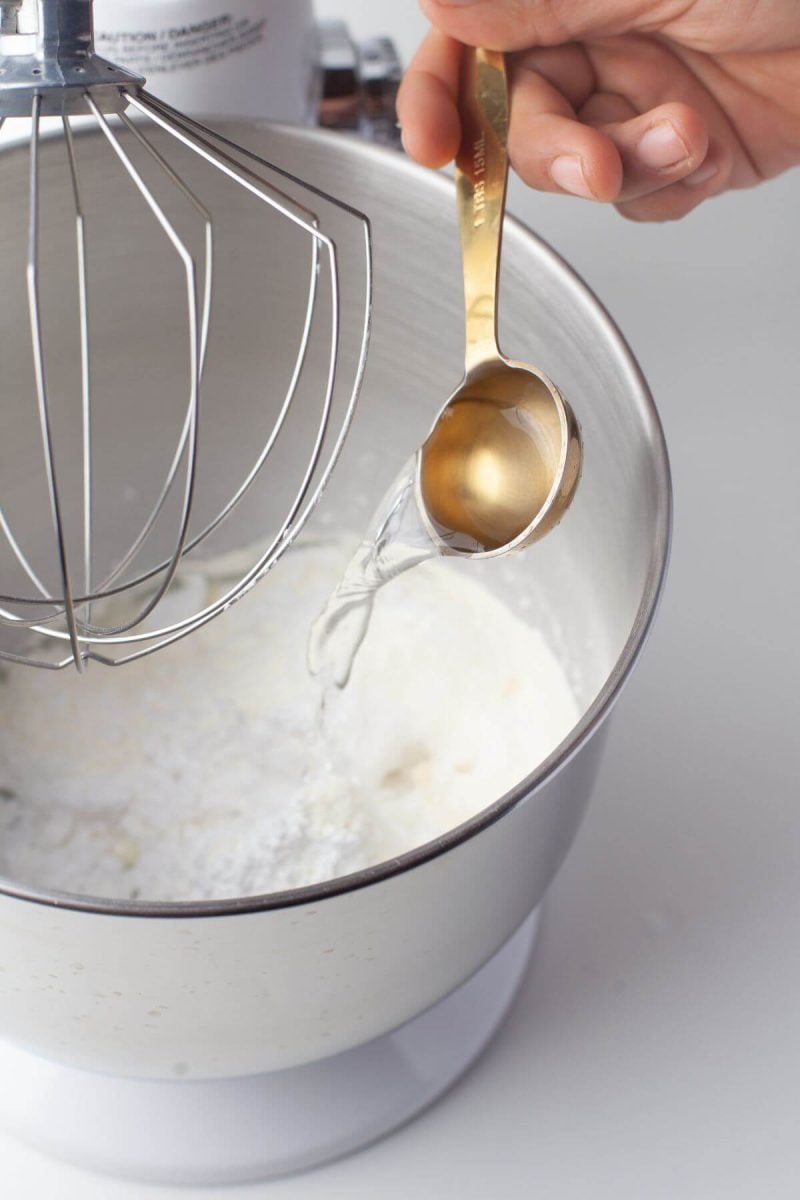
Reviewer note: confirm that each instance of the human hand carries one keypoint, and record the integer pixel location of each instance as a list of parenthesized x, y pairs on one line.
[(653, 105)]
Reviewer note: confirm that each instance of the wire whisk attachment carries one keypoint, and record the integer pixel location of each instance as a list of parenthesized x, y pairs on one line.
[(185, 327)]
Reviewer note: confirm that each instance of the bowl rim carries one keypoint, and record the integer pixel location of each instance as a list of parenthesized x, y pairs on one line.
[(578, 736)]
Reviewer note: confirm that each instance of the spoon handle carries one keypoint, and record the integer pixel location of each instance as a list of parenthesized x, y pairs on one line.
[(481, 179)]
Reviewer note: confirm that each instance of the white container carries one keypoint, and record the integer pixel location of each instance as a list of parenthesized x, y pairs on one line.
[(247, 58)]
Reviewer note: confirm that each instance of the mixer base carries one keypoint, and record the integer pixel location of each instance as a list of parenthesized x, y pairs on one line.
[(242, 1130)]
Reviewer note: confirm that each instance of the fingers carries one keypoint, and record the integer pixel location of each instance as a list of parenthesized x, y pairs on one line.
[(674, 143), (427, 102), (648, 73), (516, 24), (591, 121), (553, 151), (658, 149), (678, 200), (607, 151)]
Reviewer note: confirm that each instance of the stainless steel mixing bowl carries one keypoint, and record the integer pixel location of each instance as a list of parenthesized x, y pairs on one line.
[(262, 983)]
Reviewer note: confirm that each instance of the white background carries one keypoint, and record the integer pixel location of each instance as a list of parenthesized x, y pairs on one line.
[(653, 1052)]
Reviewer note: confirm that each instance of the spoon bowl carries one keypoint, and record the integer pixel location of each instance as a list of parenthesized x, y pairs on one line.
[(501, 464)]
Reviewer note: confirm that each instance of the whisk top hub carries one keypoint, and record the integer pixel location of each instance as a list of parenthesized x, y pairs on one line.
[(47, 50), (62, 87)]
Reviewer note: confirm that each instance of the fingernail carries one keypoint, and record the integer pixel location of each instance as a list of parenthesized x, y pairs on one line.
[(701, 175), (566, 172), (662, 146)]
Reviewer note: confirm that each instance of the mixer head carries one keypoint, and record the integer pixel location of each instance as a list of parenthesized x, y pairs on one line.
[(170, 414)]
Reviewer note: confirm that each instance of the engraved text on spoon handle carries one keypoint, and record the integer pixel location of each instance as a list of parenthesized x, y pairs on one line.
[(481, 177)]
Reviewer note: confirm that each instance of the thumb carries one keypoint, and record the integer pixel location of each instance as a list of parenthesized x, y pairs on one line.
[(520, 24)]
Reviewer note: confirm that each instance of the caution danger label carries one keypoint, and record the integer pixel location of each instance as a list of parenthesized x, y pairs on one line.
[(181, 47)]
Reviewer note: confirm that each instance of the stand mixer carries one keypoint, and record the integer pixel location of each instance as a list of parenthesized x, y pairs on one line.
[(224, 1041)]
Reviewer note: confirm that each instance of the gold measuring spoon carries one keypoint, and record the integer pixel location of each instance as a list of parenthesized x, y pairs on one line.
[(501, 464)]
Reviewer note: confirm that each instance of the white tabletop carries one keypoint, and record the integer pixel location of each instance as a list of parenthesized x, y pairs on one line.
[(654, 1048)]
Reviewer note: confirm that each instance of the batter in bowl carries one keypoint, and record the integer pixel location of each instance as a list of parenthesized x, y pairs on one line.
[(206, 773)]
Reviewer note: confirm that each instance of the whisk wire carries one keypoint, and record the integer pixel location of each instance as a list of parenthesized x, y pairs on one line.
[(12, 618), (283, 413), (200, 208), (7, 617), (200, 139), (32, 273), (190, 269), (86, 385), (205, 132)]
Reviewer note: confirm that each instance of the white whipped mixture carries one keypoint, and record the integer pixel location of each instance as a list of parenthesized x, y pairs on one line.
[(206, 772)]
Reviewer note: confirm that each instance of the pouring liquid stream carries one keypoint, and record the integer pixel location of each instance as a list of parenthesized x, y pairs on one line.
[(396, 540)]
